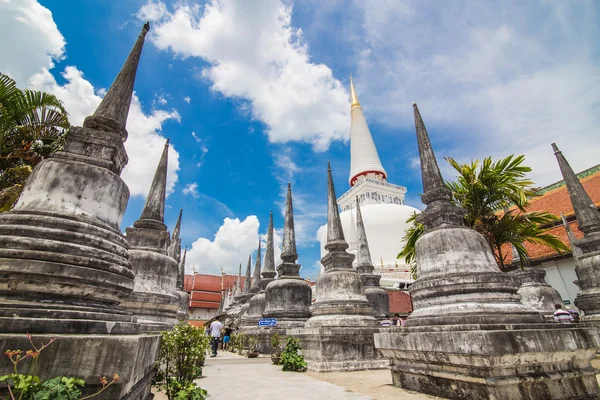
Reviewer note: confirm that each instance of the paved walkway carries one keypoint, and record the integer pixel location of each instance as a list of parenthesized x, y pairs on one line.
[(230, 376)]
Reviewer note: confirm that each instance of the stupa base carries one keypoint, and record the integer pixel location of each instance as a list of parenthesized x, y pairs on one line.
[(339, 349), (90, 357), (500, 362)]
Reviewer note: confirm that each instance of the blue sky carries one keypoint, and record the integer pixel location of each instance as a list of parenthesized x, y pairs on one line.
[(254, 94)]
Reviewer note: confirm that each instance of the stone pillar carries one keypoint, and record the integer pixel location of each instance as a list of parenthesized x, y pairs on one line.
[(64, 266), (377, 296), (339, 334), (469, 335), (153, 300), (288, 298), (587, 266)]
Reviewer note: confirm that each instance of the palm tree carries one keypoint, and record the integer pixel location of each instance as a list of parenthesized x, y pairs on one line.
[(483, 190), (33, 125)]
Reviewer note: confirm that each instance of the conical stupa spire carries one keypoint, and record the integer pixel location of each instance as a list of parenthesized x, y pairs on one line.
[(288, 253), (575, 250), (363, 255), (364, 159), (181, 275), (114, 108), (174, 247), (237, 291), (588, 216), (247, 278), (154, 209), (255, 288), (269, 267), (433, 184), (436, 195), (335, 234)]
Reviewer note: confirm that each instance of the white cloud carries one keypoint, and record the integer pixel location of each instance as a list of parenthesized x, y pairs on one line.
[(257, 56), (187, 99), (144, 144), (493, 79), (191, 189), (231, 245), (31, 39), (161, 100)]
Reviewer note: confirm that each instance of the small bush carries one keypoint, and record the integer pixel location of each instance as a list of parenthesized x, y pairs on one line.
[(182, 354), (291, 360)]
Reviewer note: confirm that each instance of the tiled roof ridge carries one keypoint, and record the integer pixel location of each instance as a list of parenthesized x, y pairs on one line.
[(583, 174)]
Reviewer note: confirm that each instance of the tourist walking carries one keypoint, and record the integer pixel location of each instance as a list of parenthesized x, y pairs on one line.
[(215, 335), (562, 316), (226, 337)]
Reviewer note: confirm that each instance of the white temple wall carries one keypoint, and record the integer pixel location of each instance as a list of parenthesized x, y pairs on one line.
[(560, 274)]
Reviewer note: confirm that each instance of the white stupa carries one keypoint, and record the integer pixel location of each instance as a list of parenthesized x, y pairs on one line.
[(382, 204)]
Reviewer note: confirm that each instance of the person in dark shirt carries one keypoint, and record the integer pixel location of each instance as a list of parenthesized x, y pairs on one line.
[(226, 337)]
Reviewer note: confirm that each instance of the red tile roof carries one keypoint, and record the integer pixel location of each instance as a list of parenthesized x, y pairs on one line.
[(555, 199)]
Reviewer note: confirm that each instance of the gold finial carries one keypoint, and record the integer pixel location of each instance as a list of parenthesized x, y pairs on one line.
[(353, 95)]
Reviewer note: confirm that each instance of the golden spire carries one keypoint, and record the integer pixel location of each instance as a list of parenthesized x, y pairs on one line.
[(353, 95)]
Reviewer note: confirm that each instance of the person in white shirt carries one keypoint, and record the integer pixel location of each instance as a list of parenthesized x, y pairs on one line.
[(562, 316), (215, 335)]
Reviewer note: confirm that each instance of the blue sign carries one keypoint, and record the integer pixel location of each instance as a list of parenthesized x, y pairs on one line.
[(267, 322)]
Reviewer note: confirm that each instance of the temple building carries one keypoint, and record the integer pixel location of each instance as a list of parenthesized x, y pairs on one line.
[(382, 204), (560, 267)]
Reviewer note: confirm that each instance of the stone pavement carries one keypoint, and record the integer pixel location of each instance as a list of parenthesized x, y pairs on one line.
[(229, 376)]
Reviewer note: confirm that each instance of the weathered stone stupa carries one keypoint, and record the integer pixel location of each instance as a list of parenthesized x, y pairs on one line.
[(587, 265), (288, 298), (339, 334), (257, 302), (254, 290), (469, 337), (377, 296), (246, 292), (536, 293), (153, 301), (64, 264), (181, 293)]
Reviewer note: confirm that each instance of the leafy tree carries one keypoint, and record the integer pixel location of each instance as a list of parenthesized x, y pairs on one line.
[(483, 190), (33, 125)]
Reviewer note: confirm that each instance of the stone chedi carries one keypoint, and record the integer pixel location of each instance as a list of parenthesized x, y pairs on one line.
[(377, 296), (256, 305), (182, 313), (288, 298), (246, 292), (64, 266), (469, 337), (382, 203), (587, 265), (250, 315), (154, 300), (339, 334), (535, 292)]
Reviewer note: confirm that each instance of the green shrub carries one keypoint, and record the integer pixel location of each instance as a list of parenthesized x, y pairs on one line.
[(290, 358), (182, 354)]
